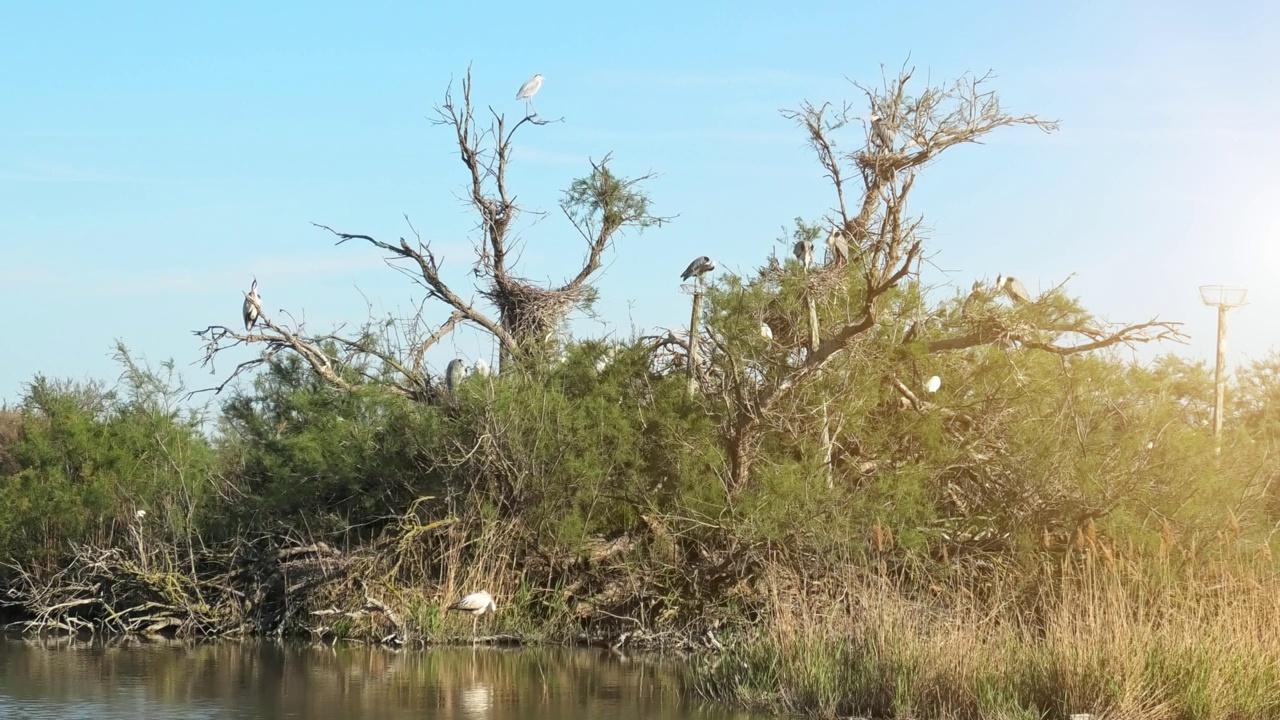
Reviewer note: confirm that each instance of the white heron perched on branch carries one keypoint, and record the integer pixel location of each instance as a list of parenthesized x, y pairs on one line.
[(527, 91), (475, 605), (1016, 291), (837, 248), (883, 135), (481, 368), (698, 268), (453, 374), (252, 306), (803, 250), (766, 332)]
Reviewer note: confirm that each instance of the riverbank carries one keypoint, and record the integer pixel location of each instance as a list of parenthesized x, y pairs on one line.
[(1134, 637)]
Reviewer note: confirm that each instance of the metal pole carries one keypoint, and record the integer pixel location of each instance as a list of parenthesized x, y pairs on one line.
[(1219, 381), (693, 339)]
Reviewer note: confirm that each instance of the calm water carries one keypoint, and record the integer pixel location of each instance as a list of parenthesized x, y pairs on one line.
[(69, 680)]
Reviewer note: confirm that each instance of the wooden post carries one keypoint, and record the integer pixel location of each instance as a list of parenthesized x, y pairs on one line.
[(694, 319), (1219, 376)]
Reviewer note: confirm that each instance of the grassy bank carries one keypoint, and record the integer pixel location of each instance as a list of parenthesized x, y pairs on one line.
[(1107, 633)]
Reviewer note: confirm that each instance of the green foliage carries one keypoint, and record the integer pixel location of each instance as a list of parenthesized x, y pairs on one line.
[(87, 458)]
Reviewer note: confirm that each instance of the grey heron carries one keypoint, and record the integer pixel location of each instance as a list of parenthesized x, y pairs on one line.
[(975, 295), (803, 250), (481, 368), (932, 384), (453, 374), (883, 134), (766, 332), (475, 605), (528, 90), (837, 248), (698, 268), (252, 306), (1016, 291)]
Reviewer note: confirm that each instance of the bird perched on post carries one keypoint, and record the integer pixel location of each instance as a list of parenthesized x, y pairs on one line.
[(527, 91), (475, 605), (1016, 291), (453, 373), (252, 306), (883, 135), (803, 250), (698, 268), (837, 248)]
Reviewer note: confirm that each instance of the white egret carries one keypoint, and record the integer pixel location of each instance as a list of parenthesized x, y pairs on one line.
[(528, 90), (766, 332), (252, 306), (481, 368), (698, 268), (932, 384), (475, 605), (1016, 291), (607, 358)]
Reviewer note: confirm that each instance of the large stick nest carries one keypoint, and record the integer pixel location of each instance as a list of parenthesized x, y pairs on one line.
[(532, 312)]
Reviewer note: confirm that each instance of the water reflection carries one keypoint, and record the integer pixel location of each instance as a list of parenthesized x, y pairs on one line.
[(65, 678)]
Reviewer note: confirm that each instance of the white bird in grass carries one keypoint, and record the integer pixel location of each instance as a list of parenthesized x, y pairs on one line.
[(766, 332), (607, 358), (481, 368), (1016, 291), (252, 306), (528, 90), (932, 384), (475, 605)]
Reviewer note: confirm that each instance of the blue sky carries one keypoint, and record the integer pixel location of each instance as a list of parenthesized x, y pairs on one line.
[(155, 155)]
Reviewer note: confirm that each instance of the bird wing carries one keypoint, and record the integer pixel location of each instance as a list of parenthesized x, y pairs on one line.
[(472, 602), (692, 270), (529, 87), (251, 311), (1018, 289)]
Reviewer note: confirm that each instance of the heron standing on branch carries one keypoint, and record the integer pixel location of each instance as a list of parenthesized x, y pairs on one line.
[(252, 306), (1016, 291), (803, 250), (527, 91), (698, 268), (475, 605), (837, 248), (453, 373)]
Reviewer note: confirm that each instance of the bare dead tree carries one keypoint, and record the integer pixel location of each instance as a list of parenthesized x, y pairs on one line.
[(883, 240), (517, 312), (598, 206)]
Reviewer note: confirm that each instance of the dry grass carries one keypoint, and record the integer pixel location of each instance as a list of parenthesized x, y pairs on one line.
[(1142, 638)]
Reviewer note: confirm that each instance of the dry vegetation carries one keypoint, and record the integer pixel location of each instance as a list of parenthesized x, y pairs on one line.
[(1053, 530)]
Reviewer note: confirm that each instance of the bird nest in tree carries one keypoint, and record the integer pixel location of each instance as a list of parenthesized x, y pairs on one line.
[(884, 162), (531, 311)]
